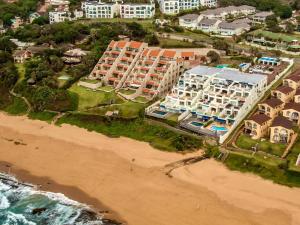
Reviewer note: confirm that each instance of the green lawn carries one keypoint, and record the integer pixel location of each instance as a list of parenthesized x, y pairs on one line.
[(274, 36), (106, 88), (127, 91), (141, 99), (246, 142), (90, 98), (128, 109), (44, 116), (18, 107), (169, 43), (293, 155), (21, 71)]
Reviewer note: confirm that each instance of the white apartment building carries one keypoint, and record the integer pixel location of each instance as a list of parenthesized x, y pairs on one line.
[(143, 10), (222, 96), (175, 6), (98, 9), (224, 12), (61, 16)]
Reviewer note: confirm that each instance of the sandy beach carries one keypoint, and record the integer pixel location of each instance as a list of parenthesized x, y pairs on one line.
[(127, 178)]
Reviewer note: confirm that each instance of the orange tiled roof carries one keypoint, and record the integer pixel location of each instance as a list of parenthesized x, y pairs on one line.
[(112, 43), (121, 44), (169, 54), (187, 54), (154, 53), (145, 52), (135, 44)]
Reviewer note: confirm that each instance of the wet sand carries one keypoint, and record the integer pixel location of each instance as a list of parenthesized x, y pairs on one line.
[(128, 178)]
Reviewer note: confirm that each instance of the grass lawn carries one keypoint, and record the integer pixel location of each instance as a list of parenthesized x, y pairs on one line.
[(128, 109), (247, 142), (141, 99), (169, 43), (106, 88), (127, 91), (173, 117), (158, 136), (21, 71), (44, 116), (89, 98), (18, 107), (293, 155)]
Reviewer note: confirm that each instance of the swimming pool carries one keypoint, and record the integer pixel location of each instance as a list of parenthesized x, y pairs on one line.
[(196, 124), (217, 128), (221, 66), (158, 112)]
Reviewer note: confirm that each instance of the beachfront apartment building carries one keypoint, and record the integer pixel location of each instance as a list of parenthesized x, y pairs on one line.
[(145, 71), (220, 95), (175, 6), (99, 9)]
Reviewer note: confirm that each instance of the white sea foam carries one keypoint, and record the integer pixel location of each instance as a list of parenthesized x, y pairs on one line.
[(14, 219), (4, 203)]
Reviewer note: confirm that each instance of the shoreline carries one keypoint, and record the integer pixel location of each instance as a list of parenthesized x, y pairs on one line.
[(71, 192), (128, 177)]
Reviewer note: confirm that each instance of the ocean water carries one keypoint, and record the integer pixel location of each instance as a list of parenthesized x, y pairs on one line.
[(22, 204)]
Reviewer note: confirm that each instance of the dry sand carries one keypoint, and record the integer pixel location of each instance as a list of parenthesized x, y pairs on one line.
[(127, 177)]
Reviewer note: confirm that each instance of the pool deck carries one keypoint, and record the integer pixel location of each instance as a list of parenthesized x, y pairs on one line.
[(186, 124)]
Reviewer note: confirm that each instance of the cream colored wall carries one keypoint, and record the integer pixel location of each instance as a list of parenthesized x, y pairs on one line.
[(280, 129)]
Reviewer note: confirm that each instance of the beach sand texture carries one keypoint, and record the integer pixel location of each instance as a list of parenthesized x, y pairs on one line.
[(127, 177)]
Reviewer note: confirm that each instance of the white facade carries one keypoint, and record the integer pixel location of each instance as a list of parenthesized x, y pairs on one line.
[(189, 21), (175, 6), (56, 17), (95, 9), (143, 11)]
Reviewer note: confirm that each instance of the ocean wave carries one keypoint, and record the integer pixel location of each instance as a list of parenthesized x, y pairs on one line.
[(25, 205)]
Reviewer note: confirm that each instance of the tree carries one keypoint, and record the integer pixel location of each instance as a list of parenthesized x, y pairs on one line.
[(283, 11), (221, 45), (290, 28), (214, 57)]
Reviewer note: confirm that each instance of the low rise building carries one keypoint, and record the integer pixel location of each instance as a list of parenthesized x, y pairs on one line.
[(297, 96), (292, 81), (281, 130), (175, 6), (16, 22), (271, 107), (257, 126), (189, 21), (21, 55), (284, 93), (99, 9), (260, 17), (209, 25), (233, 28), (33, 16), (224, 12), (292, 112), (137, 10)]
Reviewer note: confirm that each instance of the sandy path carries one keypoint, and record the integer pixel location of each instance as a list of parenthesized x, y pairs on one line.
[(138, 190)]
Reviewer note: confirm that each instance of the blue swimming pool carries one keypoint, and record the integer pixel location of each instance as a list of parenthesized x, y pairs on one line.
[(196, 124), (217, 128), (158, 112)]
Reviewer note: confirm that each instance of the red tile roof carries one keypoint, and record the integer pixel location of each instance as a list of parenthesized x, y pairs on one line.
[(121, 44), (169, 54), (187, 54), (154, 53), (284, 89), (292, 105), (135, 44), (111, 44), (295, 78), (145, 52), (260, 118), (281, 121), (298, 91), (273, 102)]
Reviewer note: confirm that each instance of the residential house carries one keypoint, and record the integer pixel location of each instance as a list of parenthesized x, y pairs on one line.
[(224, 12), (281, 130), (33, 16), (292, 112), (257, 125), (271, 107), (21, 55), (189, 21), (233, 28), (297, 96), (292, 81), (209, 25), (73, 56), (16, 22), (260, 17), (284, 93)]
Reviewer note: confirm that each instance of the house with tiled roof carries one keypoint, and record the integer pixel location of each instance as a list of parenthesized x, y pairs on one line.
[(21, 55), (281, 130), (257, 125), (284, 93), (189, 21), (271, 107), (292, 81), (292, 112), (297, 96)]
